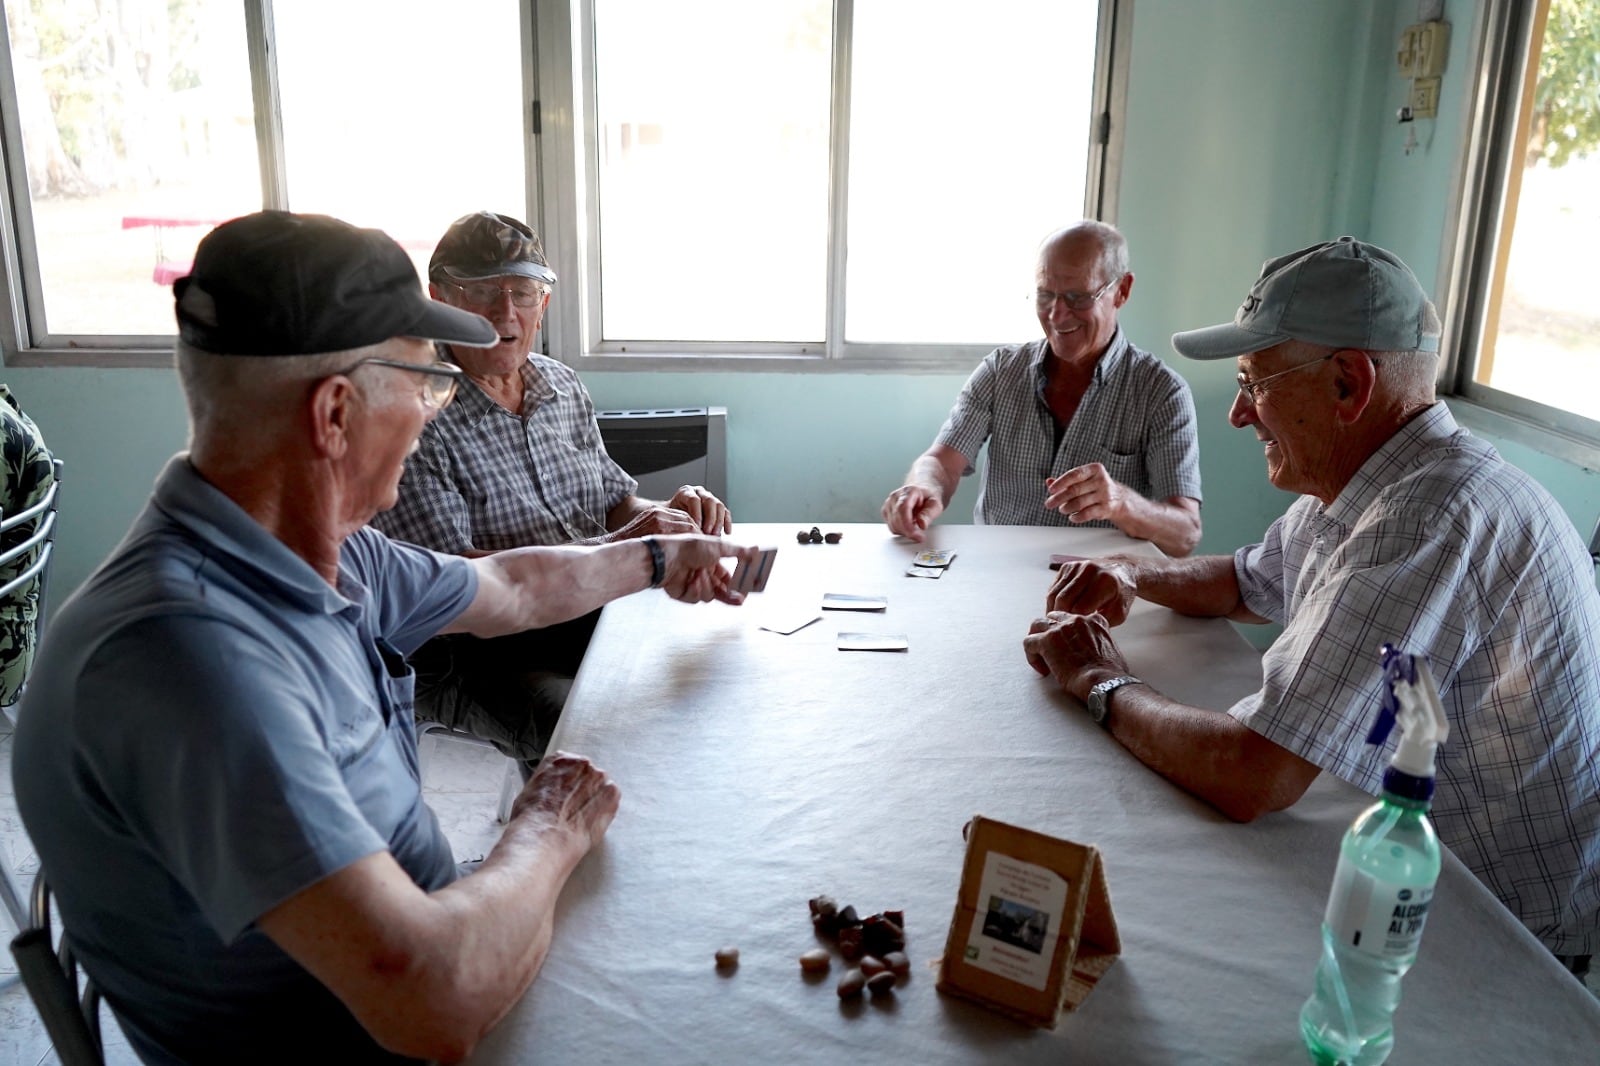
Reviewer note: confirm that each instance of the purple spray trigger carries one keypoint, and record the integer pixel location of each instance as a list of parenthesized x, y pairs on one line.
[(1397, 666)]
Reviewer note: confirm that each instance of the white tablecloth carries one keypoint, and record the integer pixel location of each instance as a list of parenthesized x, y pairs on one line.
[(759, 770)]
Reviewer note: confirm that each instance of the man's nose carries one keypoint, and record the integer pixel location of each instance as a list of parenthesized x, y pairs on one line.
[(1243, 412)]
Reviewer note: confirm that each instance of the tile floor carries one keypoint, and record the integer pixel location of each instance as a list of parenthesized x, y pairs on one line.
[(462, 782)]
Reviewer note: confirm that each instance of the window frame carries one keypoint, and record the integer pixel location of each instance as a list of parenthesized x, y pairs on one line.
[(559, 92), (1506, 33)]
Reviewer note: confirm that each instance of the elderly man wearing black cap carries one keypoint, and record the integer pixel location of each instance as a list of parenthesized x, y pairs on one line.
[(517, 460), (1409, 531), (216, 756)]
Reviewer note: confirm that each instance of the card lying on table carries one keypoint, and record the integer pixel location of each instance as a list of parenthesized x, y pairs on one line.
[(872, 642), (935, 558), (752, 576), (842, 601)]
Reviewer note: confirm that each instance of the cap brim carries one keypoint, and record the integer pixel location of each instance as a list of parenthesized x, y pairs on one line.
[(1226, 341), (451, 325), (518, 269)]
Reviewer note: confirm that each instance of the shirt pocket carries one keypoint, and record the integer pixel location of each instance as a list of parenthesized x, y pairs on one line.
[(1128, 468)]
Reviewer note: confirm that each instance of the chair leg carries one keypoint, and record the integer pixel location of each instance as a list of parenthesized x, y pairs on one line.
[(12, 899), (510, 786)]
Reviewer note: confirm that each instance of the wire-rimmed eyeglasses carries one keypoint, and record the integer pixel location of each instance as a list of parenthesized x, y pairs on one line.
[(484, 293), (1249, 389), (439, 379), (1044, 299)]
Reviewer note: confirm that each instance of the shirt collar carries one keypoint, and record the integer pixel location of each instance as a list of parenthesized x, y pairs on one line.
[(472, 405), (192, 503), (1104, 367), (1399, 453)]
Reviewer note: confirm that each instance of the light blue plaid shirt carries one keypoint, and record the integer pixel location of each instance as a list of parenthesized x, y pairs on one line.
[(1440, 546), (1136, 419)]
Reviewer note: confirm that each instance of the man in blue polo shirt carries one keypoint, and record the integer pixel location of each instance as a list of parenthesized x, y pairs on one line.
[(216, 756)]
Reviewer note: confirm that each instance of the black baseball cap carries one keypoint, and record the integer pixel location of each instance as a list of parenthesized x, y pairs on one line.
[(276, 283), (485, 245)]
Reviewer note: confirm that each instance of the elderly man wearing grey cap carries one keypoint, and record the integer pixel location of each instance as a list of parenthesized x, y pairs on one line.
[(216, 756), (1408, 531), (516, 460)]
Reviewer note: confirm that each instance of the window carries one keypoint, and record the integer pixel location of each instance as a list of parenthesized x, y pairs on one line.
[(1525, 320), (795, 181)]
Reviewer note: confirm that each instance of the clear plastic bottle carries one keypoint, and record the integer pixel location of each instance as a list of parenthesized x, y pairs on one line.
[(1383, 886)]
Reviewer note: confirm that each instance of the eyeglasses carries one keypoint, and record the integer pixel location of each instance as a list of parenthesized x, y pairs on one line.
[(439, 379), (1250, 390), (1044, 299), (484, 293)]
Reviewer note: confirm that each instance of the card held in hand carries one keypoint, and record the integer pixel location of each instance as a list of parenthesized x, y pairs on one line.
[(752, 576)]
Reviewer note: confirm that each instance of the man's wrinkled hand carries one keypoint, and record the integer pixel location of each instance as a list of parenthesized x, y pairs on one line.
[(1087, 494), (1071, 648), (570, 793), (709, 514), (657, 520), (910, 510), (1094, 586), (695, 572)]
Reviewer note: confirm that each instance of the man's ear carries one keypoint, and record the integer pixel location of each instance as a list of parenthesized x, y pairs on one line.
[(1124, 289), (1355, 378), (330, 408)]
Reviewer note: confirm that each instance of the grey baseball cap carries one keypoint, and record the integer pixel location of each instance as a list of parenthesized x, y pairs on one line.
[(1343, 294)]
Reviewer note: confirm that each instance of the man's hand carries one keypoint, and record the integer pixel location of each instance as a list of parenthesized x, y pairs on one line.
[(655, 520), (1087, 494), (568, 793), (911, 509), (1094, 586), (694, 568), (1076, 650), (709, 514)]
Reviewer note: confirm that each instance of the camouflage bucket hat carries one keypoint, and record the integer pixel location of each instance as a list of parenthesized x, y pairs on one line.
[(486, 245)]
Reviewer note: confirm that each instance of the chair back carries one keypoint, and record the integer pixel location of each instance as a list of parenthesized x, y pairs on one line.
[(68, 1005), (37, 546)]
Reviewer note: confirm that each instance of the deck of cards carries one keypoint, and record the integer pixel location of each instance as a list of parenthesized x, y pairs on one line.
[(931, 564)]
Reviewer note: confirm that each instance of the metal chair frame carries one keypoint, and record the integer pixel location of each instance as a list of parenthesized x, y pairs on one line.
[(70, 1009)]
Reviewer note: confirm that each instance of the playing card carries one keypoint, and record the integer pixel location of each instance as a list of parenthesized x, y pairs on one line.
[(926, 571), (841, 601), (935, 558), (1057, 561), (752, 576), (787, 625), (872, 642)]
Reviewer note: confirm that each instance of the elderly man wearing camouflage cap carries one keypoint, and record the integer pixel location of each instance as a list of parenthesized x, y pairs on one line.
[(1409, 531), (517, 460)]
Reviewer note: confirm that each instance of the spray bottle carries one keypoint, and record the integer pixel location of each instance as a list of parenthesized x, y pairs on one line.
[(1388, 863)]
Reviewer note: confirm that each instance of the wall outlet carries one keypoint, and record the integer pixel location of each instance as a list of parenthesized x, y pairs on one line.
[(1424, 97)]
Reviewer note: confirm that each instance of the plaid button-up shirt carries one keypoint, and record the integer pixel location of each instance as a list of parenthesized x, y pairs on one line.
[(1439, 546)]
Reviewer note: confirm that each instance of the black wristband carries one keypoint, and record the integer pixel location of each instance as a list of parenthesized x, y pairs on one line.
[(658, 562)]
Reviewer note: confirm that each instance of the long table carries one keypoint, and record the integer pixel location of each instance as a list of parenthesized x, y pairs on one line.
[(759, 770)]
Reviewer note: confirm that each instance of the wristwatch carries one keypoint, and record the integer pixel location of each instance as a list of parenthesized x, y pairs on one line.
[(1100, 696)]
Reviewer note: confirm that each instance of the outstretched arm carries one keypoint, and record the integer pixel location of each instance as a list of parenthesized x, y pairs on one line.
[(931, 482)]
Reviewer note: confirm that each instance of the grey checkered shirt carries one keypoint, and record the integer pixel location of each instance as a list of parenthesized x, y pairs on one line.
[(484, 478), (1136, 418), (1440, 546)]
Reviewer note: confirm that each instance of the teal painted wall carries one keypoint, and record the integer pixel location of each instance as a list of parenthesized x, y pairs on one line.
[(1253, 127)]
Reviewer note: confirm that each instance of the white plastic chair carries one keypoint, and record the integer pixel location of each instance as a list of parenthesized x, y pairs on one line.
[(430, 733)]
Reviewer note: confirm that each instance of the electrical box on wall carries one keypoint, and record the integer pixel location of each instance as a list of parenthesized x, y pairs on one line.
[(1423, 48), (1424, 102)]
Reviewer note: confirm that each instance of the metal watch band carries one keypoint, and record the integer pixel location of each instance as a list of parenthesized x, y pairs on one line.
[(1100, 696)]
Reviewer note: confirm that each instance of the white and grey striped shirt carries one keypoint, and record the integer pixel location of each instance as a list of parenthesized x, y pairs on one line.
[(1440, 546), (1136, 418)]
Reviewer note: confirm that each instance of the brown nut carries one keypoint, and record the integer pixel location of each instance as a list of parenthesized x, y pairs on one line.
[(833, 538), (803, 537), (817, 960), (872, 966), (881, 984), (898, 964), (851, 984), (727, 958), (850, 942)]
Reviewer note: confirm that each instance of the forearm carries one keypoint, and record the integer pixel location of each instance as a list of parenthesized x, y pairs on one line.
[(626, 510), (1206, 753), (930, 473), (1173, 525), (530, 588), (1204, 586)]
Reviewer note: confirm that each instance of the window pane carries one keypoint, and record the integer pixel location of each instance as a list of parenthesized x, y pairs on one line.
[(138, 134), (969, 131), (1543, 337), (403, 114), (713, 167)]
